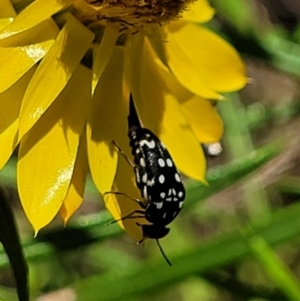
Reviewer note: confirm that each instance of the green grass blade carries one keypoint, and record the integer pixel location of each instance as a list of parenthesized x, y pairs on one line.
[(222, 177), (275, 268), (283, 227)]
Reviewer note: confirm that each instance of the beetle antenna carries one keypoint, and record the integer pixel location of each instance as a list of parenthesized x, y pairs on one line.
[(163, 253)]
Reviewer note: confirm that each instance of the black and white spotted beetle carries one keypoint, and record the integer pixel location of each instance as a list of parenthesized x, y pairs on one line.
[(157, 178)]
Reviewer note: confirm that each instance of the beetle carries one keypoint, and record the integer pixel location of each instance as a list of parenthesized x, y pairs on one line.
[(157, 178)]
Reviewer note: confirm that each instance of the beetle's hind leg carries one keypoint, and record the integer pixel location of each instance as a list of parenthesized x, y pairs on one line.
[(130, 216), (127, 196)]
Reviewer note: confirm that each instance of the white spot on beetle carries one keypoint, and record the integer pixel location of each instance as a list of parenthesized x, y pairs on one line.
[(138, 179), (144, 178), (150, 183), (169, 162), (162, 195), (142, 162), (165, 215), (177, 177), (150, 144), (161, 179), (145, 193), (174, 191), (161, 162), (169, 199), (180, 194), (158, 205)]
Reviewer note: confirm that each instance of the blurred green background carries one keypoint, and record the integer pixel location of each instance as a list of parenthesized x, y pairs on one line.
[(237, 239)]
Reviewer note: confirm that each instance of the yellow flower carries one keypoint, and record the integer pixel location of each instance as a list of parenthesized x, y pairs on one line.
[(67, 69)]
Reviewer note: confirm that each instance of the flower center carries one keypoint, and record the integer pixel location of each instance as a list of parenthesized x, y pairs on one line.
[(132, 13)]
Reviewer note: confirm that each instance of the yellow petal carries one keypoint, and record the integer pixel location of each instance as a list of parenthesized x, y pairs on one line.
[(5, 22), (54, 72), (199, 11), (35, 13), (203, 119), (107, 122), (6, 9), (47, 30), (10, 103), (201, 115), (181, 93), (134, 56), (120, 206), (124, 182), (75, 192), (160, 111), (103, 53), (173, 130), (15, 62), (203, 62), (48, 152), (157, 37)]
